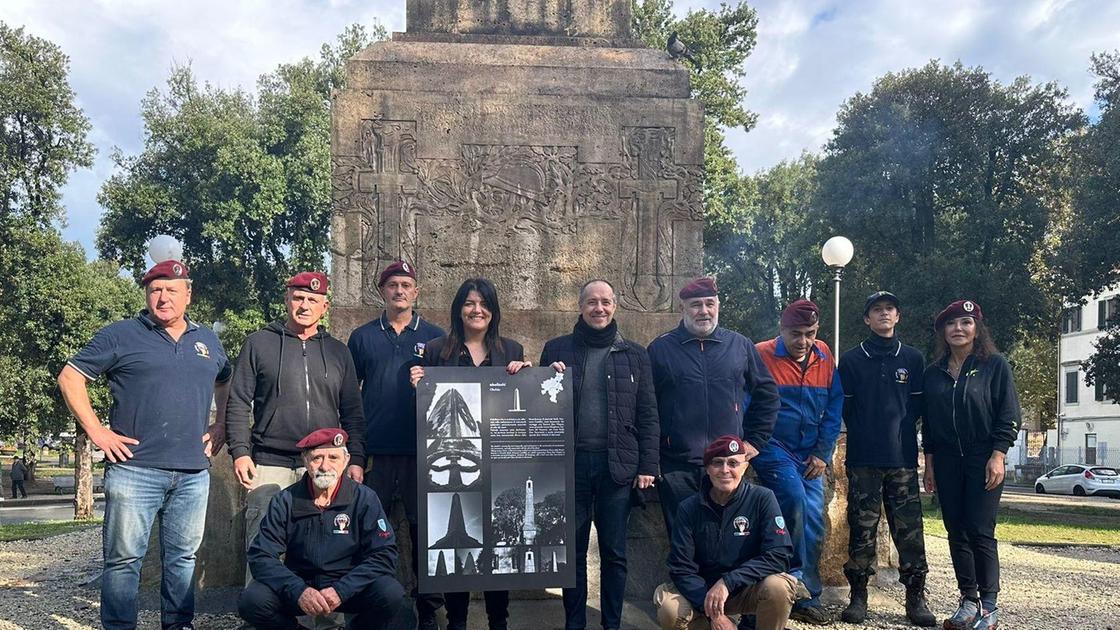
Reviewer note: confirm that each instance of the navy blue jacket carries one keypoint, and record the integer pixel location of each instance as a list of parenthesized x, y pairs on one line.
[(345, 546), (882, 381), (632, 425), (382, 359), (701, 388), (978, 413), (743, 544)]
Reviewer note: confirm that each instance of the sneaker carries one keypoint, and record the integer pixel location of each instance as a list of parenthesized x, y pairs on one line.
[(966, 615), (987, 620), (815, 615), (428, 623)]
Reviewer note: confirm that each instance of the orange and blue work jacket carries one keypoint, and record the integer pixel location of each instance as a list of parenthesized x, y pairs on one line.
[(812, 399)]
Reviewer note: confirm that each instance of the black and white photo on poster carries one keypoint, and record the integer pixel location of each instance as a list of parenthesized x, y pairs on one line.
[(496, 505), (454, 463), (527, 503), (455, 520), (455, 411)]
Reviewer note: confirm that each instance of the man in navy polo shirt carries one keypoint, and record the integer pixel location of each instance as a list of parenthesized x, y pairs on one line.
[(384, 350), (882, 379), (163, 370)]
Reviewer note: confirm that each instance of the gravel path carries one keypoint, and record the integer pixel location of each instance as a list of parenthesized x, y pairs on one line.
[(1044, 589)]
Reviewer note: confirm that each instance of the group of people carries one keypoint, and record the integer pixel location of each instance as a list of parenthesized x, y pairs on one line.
[(323, 438)]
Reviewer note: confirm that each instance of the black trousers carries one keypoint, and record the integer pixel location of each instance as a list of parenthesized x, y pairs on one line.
[(969, 513), (393, 477), (373, 608), (677, 483), (497, 607), (18, 485)]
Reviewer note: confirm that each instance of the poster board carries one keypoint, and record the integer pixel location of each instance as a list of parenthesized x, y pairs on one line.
[(496, 479)]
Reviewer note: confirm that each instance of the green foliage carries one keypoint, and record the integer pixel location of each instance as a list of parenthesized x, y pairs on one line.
[(42, 131), (1088, 260), (1104, 365), (769, 256), (243, 181), (54, 301), (51, 299), (1034, 362), (36, 531), (947, 182), (721, 41)]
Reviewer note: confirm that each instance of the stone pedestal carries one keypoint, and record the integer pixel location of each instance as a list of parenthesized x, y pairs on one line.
[(533, 143)]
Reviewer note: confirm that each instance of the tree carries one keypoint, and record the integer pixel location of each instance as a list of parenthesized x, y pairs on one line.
[(948, 183), (1088, 259), (42, 131), (242, 180), (767, 255), (1034, 363), (721, 40)]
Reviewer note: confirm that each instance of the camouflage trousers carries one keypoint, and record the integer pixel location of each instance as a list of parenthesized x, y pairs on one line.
[(896, 489)]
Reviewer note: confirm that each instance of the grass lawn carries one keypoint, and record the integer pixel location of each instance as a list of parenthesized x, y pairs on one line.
[(35, 531), (1073, 525)]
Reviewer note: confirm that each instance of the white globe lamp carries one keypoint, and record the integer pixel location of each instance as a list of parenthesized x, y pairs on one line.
[(164, 247), (837, 252)]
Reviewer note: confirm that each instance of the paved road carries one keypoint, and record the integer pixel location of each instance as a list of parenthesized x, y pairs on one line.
[(1026, 497), (12, 512)]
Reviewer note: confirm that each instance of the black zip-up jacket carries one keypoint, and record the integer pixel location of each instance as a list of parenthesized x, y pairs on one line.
[(977, 413), (710, 387), (710, 543), (344, 546), (290, 388), (633, 429)]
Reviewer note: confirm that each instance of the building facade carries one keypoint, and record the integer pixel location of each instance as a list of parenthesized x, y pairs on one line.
[(1088, 416)]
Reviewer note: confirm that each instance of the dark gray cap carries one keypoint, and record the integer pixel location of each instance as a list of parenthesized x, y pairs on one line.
[(880, 296)]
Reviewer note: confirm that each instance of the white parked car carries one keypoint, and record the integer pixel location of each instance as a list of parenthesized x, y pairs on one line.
[(1080, 479)]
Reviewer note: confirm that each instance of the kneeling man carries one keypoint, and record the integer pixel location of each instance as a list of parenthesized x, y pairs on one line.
[(729, 553), (339, 551)]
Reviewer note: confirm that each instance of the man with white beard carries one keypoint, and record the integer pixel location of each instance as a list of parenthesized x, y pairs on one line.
[(324, 546), (710, 382)]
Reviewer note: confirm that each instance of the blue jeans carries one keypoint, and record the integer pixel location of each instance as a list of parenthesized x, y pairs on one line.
[(802, 503), (134, 496), (599, 499)]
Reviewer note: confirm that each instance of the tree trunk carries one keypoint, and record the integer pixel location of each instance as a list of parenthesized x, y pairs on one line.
[(83, 476)]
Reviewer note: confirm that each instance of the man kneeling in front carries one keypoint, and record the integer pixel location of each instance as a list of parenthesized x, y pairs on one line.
[(339, 551), (729, 553)]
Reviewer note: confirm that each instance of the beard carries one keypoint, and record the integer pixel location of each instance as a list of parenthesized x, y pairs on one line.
[(699, 330), (324, 479)]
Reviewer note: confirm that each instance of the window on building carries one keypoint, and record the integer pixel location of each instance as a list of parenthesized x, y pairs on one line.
[(1071, 320), (1100, 392), (1107, 310), (1071, 387), (1091, 449)]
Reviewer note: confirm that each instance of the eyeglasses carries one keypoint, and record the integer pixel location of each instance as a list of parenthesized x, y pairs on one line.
[(720, 462)]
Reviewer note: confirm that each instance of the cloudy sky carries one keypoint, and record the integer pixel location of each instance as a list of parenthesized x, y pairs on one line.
[(811, 56)]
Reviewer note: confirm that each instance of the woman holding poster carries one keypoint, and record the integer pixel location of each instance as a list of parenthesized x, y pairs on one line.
[(474, 341)]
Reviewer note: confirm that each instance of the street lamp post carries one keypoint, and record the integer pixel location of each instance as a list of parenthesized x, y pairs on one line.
[(836, 253)]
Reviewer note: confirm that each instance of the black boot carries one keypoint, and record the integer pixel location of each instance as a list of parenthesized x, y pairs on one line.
[(856, 612), (917, 609)]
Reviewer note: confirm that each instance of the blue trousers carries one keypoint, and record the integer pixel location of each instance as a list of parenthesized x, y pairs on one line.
[(134, 496), (802, 503)]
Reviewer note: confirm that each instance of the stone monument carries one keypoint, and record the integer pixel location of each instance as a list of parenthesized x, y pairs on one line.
[(532, 142)]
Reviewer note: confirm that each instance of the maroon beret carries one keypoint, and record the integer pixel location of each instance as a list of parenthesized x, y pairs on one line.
[(323, 437), (700, 287), (169, 269), (312, 281), (724, 446), (800, 313), (960, 308), (398, 268)]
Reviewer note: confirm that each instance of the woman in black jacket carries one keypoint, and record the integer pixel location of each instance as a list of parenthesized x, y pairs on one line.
[(474, 342), (971, 418)]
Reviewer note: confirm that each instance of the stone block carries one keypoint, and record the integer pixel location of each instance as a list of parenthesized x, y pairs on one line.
[(572, 18)]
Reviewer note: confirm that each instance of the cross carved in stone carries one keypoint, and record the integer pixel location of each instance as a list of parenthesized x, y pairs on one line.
[(644, 281), (389, 149)]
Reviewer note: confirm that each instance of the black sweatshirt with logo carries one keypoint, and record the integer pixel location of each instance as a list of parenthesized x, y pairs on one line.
[(976, 413), (291, 387)]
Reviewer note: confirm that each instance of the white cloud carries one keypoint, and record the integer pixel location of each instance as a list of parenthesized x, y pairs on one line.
[(811, 56)]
